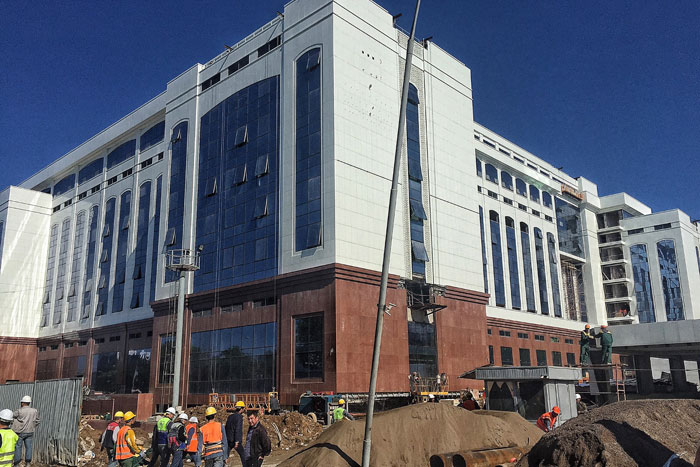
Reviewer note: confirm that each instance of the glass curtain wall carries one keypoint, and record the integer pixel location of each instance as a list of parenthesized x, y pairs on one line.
[(155, 247), (90, 264), (422, 349), (76, 268), (141, 248), (554, 273), (122, 247), (48, 284), (497, 258), (484, 261), (513, 263), (670, 280), (642, 283), (415, 177), (61, 272), (176, 194), (541, 271), (527, 268)]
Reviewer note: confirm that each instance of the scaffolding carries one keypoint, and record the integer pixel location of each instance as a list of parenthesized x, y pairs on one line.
[(574, 297), (607, 379)]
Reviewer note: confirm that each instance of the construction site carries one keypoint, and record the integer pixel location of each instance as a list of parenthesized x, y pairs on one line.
[(312, 230)]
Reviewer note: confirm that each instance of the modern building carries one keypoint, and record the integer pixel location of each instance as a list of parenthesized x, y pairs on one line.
[(275, 158)]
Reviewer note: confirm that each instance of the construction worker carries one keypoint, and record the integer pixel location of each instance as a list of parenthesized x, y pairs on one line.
[(339, 412), (257, 442), (580, 406), (160, 438), (606, 342), (214, 443), (586, 338), (8, 438), (26, 421), (108, 440), (234, 429), (548, 420), (177, 439), (127, 452), (193, 447)]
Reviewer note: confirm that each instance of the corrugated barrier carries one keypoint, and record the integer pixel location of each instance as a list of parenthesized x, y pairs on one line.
[(59, 404)]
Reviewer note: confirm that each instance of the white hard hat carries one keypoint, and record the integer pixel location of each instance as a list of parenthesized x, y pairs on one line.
[(431, 396), (578, 396), (194, 420), (171, 410), (183, 416), (6, 415), (27, 399)]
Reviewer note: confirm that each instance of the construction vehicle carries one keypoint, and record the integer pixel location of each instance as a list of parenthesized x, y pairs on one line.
[(266, 402), (319, 406)]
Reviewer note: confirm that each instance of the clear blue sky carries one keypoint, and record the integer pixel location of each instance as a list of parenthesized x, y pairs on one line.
[(609, 90)]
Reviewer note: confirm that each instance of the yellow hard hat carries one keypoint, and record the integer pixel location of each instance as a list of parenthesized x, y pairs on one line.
[(240, 404), (341, 402), (210, 411), (119, 414), (128, 416)]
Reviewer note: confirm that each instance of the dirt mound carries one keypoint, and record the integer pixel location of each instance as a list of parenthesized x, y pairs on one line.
[(408, 436), (89, 441), (632, 433)]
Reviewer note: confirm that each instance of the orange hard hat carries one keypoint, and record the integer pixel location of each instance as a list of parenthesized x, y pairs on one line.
[(556, 410), (588, 326)]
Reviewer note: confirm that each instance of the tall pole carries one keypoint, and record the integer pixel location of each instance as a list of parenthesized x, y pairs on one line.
[(381, 306), (182, 283)]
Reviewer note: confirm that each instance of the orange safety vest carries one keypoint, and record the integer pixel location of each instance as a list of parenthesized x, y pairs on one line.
[(546, 416), (212, 439), (122, 449), (192, 446)]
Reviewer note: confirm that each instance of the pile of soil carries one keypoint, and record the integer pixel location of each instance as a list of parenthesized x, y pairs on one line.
[(89, 434), (632, 433), (409, 435)]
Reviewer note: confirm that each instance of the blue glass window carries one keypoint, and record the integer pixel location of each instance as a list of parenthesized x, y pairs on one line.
[(527, 268), (506, 181), (152, 136), (569, 228), (541, 271), (176, 197), (478, 168), (422, 349), (534, 193), (155, 248), (497, 257), (65, 185), (141, 249), (642, 283), (520, 187), (121, 153), (236, 213), (419, 254), (547, 199), (48, 284), (107, 238), (513, 263), (88, 289), (670, 280), (61, 272), (90, 171), (233, 360), (122, 248), (554, 273), (308, 151), (308, 346), (78, 246), (491, 173), (484, 261)]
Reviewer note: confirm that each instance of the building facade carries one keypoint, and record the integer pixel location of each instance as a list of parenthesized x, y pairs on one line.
[(275, 159)]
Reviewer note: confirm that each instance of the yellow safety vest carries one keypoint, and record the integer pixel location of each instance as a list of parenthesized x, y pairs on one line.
[(7, 449), (338, 414)]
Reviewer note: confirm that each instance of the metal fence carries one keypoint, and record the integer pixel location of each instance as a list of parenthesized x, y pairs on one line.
[(59, 404)]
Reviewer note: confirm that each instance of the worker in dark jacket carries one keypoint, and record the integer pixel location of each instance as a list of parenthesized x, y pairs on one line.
[(257, 443), (606, 342), (234, 430), (469, 403), (586, 338)]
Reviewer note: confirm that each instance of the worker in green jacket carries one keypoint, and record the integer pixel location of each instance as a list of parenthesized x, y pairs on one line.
[(585, 343), (340, 413), (606, 342)]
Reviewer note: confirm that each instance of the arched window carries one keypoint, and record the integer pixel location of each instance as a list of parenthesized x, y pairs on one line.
[(513, 263), (554, 273), (491, 173), (670, 280), (541, 271), (534, 193), (76, 268), (497, 257), (642, 283), (506, 181), (105, 257), (527, 268), (88, 291), (122, 248), (547, 199), (520, 187), (478, 167), (141, 248)]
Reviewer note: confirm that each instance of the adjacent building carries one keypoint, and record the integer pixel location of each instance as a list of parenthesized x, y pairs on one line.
[(275, 160)]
